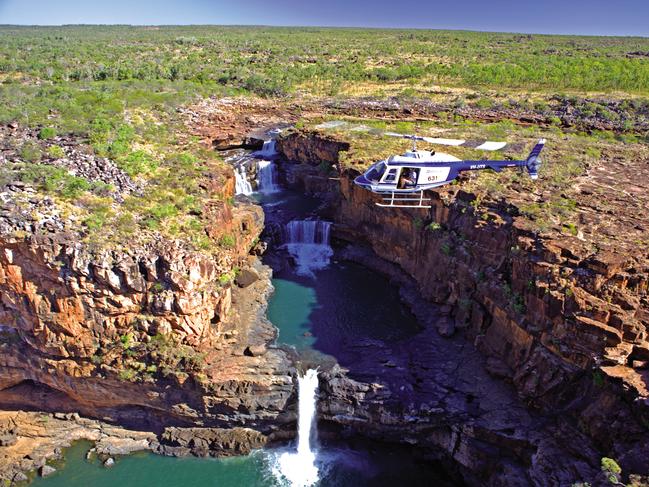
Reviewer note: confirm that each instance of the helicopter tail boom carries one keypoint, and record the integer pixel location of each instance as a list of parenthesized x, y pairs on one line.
[(533, 161)]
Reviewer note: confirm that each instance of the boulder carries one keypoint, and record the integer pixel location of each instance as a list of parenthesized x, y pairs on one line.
[(46, 471), (255, 350), (8, 438), (445, 326), (109, 462), (246, 277), (20, 477)]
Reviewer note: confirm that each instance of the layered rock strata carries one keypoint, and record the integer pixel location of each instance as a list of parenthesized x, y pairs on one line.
[(566, 325)]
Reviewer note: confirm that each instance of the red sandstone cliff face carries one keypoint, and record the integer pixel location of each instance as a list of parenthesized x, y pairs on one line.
[(565, 325), (147, 335)]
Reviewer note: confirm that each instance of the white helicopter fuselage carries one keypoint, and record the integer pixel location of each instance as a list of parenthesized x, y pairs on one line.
[(432, 169), (397, 177)]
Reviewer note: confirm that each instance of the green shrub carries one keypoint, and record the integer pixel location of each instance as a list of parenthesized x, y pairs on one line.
[(226, 278), (54, 179), (47, 133), (31, 152), (227, 241), (571, 228), (127, 374), (126, 340), (99, 213), (484, 103), (161, 211), (72, 187), (610, 465), (138, 162), (612, 470), (598, 378), (55, 152)]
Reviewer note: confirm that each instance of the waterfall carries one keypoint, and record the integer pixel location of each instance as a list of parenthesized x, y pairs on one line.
[(299, 469), (242, 185), (308, 232), (308, 243), (267, 177), (268, 149)]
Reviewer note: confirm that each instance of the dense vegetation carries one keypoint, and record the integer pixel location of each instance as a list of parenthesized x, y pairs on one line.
[(116, 91), (279, 60)]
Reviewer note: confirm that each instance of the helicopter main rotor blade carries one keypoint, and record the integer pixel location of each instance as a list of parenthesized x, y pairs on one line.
[(487, 145), (403, 136), (438, 141), (490, 145)]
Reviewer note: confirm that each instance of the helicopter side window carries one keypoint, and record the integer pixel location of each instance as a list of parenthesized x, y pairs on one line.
[(391, 176), (376, 172)]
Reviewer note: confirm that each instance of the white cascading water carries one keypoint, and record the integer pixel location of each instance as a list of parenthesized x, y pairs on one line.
[(267, 177), (266, 168), (299, 468), (268, 149), (308, 243), (242, 185)]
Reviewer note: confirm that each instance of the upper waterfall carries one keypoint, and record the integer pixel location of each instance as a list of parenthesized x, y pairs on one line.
[(242, 185)]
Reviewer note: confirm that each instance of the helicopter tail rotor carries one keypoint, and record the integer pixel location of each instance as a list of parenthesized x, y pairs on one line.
[(533, 161)]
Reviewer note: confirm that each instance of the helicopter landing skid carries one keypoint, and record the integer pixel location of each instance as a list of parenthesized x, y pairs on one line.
[(405, 200)]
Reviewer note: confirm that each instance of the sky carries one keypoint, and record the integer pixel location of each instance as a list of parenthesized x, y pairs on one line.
[(591, 17)]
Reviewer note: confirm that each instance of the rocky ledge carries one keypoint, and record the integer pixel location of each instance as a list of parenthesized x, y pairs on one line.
[(30, 441), (563, 325), (159, 335), (241, 398)]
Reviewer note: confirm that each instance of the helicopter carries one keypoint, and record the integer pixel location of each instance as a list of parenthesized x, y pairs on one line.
[(398, 179)]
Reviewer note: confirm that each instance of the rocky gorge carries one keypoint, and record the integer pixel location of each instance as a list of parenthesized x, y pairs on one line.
[(529, 368), (563, 324), (155, 337)]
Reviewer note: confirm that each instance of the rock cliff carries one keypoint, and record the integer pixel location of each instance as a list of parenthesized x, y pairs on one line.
[(564, 322), (149, 336)]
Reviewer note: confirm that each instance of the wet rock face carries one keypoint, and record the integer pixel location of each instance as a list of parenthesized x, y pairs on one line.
[(565, 325)]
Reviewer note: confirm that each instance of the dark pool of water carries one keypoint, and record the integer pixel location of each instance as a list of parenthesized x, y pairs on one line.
[(337, 307)]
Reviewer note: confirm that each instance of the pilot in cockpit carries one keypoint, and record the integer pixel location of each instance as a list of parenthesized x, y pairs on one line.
[(408, 178)]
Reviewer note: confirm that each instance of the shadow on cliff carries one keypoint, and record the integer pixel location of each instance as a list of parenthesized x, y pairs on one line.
[(29, 395)]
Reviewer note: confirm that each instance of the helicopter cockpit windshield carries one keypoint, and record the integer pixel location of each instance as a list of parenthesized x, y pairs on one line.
[(375, 173)]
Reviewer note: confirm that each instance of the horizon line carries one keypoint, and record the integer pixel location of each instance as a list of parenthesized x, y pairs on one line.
[(92, 24)]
